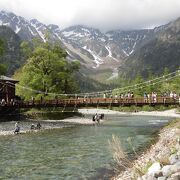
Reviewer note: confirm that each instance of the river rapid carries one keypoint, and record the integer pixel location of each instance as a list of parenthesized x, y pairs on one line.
[(72, 151)]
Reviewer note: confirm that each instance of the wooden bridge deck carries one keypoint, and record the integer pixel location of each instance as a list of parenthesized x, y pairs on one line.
[(92, 102)]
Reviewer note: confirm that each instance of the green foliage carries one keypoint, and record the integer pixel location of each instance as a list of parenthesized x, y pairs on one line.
[(12, 56), (161, 86), (2, 47), (47, 71), (3, 69), (148, 165), (26, 49), (10, 47), (173, 150)]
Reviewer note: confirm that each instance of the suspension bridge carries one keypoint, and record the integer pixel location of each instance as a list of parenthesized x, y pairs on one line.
[(92, 102), (91, 99)]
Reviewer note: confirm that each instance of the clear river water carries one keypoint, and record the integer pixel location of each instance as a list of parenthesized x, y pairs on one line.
[(74, 152)]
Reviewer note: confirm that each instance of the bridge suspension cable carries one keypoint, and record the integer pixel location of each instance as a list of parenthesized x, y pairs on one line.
[(121, 89)]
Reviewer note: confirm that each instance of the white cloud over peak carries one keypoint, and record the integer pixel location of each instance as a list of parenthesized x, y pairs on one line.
[(102, 14)]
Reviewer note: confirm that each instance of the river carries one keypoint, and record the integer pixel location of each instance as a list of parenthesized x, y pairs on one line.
[(73, 152)]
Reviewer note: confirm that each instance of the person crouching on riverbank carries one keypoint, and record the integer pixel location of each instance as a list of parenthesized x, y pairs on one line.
[(17, 128)]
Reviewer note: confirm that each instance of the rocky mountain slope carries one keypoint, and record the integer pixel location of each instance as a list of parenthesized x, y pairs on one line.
[(162, 51)]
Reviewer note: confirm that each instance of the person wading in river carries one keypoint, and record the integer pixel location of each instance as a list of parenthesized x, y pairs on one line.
[(17, 128), (96, 118)]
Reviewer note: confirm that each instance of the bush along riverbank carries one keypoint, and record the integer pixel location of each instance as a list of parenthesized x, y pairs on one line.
[(40, 114), (160, 162), (49, 114)]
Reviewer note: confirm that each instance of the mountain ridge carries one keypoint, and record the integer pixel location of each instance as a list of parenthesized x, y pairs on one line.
[(100, 53), (94, 49), (163, 51)]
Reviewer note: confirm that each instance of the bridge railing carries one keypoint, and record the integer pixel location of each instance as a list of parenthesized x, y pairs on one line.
[(140, 101)]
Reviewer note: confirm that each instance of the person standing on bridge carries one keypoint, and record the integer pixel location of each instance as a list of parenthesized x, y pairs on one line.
[(145, 97)]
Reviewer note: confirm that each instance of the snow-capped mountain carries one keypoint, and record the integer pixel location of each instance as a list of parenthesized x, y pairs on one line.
[(129, 41), (90, 42), (96, 51), (27, 30)]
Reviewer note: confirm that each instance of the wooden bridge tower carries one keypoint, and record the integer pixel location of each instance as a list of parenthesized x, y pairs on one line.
[(7, 88)]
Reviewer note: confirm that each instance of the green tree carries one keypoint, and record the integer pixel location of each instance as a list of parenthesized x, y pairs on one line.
[(175, 85), (139, 88), (3, 68), (47, 71)]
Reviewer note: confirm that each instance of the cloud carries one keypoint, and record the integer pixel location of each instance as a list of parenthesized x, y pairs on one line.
[(102, 14)]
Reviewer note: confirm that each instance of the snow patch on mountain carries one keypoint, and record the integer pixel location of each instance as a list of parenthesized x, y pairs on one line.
[(39, 32), (59, 37), (125, 52), (102, 39), (86, 30), (6, 24), (97, 60), (31, 31), (114, 74), (68, 33), (133, 48), (41, 35), (110, 53), (17, 29)]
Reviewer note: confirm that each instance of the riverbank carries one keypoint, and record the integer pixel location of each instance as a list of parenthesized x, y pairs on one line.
[(75, 120), (46, 125), (161, 161), (166, 113), (88, 121)]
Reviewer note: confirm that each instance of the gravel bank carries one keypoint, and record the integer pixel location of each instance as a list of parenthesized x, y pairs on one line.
[(167, 113), (7, 128)]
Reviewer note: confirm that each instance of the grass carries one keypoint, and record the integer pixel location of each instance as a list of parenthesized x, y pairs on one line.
[(119, 155)]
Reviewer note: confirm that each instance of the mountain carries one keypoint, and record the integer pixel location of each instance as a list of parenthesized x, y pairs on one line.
[(12, 56), (99, 53), (129, 41), (162, 51)]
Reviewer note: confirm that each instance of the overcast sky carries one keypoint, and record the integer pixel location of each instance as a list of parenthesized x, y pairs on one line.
[(103, 14)]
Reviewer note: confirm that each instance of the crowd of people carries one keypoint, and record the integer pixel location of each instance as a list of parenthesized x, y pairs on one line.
[(12, 101), (148, 97)]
